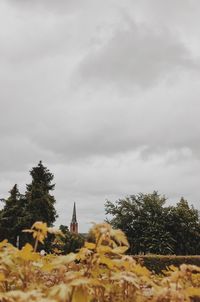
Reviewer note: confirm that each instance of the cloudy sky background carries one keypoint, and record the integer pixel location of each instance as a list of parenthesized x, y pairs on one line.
[(106, 94)]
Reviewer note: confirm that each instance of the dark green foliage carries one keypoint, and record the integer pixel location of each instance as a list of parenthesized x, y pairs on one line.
[(12, 217), (152, 227), (40, 203), (159, 263), (69, 242), (21, 211), (184, 224), (141, 217)]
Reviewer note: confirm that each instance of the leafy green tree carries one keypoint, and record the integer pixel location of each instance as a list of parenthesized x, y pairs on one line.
[(152, 227), (12, 220), (143, 219), (184, 225), (40, 203)]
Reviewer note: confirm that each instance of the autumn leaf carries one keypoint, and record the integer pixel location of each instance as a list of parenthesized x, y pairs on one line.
[(55, 231), (3, 243), (27, 254), (193, 292), (120, 249), (80, 295), (64, 259), (141, 270), (90, 246), (119, 236), (126, 276), (2, 277), (104, 249), (107, 261), (60, 292)]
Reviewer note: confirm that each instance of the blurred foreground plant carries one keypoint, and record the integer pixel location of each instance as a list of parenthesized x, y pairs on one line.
[(98, 272), (40, 231)]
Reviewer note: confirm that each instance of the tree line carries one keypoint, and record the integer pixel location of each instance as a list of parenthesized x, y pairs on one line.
[(153, 227), (20, 211), (149, 224)]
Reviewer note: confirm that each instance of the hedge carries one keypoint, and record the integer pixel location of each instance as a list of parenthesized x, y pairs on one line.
[(159, 263)]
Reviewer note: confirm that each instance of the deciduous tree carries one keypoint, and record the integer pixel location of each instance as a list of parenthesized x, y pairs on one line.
[(153, 227)]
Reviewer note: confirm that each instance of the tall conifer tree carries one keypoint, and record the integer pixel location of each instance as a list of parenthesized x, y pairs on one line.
[(40, 203), (12, 216)]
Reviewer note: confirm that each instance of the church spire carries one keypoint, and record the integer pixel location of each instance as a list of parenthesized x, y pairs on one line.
[(74, 214), (74, 224)]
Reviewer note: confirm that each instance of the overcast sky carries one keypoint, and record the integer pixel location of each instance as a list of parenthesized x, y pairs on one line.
[(106, 94)]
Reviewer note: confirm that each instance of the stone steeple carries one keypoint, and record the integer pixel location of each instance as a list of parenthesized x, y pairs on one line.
[(74, 223)]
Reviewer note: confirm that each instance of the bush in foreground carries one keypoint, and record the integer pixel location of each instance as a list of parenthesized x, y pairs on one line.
[(98, 272)]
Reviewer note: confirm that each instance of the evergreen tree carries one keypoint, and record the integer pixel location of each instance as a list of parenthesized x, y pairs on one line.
[(40, 203), (21, 211), (12, 216)]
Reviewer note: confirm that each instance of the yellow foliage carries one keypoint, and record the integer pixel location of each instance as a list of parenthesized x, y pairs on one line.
[(2, 277), (193, 291), (40, 230), (120, 249), (3, 243), (80, 295), (90, 246), (27, 254), (60, 292), (99, 272)]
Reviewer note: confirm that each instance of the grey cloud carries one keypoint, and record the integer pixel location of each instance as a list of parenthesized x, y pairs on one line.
[(45, 38), (175, 13), (46, 6), (106, 94), (136, 55), (155, 122), (19, 152)]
